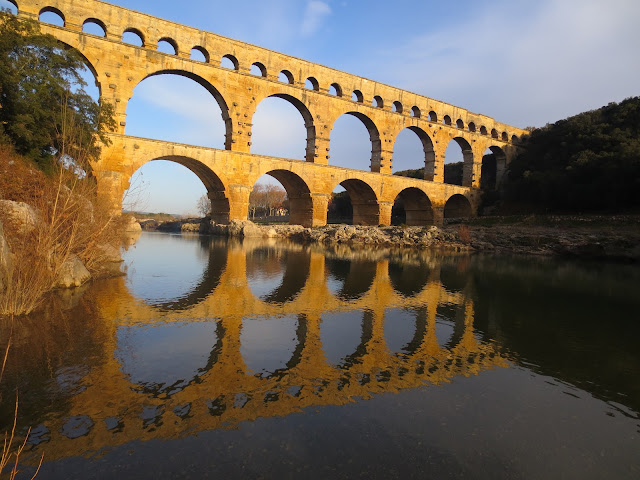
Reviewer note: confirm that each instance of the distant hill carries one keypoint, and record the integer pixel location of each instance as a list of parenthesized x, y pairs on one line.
[(588, 162)]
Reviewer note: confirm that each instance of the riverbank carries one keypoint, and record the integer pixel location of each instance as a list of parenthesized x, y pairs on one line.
[(615, 238)]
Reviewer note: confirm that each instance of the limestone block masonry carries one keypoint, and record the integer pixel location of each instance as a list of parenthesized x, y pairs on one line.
[(229, 174)]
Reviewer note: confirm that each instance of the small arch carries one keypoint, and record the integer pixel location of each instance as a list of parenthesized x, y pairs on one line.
[(133, 36), (415, 112), (93, 26), (514, 139), (286, 76), (357, 96), (258, 69), (412, 207), (446, 120), (460, 124), (433, 116), (335, 89), (457, 206), (471, 127), (494, 133), (396, 107), (13, 9), (377, 102), (52, 16), (200, 54), (505, 137), (364, 202), (230, 62), (312, 84), (168, 45), (483, 130)]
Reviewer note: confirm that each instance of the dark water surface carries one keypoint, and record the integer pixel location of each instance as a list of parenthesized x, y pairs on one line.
[(268, 360)]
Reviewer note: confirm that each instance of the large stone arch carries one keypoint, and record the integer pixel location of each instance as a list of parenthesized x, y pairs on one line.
[(418, 210), (467, 158), (457, 206), (216, 186), (427, 147), (365, 203), (500, 167), (215, 93), (298, 194), (309, 125), (374, 137)]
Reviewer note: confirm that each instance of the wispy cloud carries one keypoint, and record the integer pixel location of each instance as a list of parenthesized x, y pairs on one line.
[(526, 63), (314, 16)]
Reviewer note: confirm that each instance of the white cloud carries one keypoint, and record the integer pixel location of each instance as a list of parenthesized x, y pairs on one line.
[(314, 16), (526, 63)]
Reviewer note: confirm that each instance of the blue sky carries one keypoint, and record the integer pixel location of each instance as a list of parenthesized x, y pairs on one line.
[(521, 62)]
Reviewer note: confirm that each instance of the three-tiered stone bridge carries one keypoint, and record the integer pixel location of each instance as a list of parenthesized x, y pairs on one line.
[(319, 93)]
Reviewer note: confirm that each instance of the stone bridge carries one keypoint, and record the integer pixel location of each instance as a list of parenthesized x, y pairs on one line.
[(319, 93)]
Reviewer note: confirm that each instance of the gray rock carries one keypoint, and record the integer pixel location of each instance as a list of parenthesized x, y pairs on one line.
[(72, 274), (23, 215)]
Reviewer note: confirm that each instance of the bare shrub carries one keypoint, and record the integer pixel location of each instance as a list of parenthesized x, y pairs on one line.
[(464, 234)]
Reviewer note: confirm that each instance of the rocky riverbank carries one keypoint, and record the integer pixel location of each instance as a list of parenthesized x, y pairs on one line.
[(599, 238)]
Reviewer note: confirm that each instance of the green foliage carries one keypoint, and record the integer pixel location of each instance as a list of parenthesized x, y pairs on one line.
[(452, 173), (587, 162), (416, 173), (44, 111)]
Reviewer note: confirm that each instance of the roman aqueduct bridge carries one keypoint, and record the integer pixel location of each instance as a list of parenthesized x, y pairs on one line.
[(319, 93)]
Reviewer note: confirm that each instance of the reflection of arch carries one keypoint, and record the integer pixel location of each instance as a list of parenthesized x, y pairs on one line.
[(296, 272), (299, 196), (95, 21), (355, 276), (408, 280), (53, 10), (457, 206), (224, 109), (417, 207), (374, 137), (216, 265), (310, 152), (365, 339), (366, 210)]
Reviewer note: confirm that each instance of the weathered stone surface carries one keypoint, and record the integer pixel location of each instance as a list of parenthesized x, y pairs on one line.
[(72, 274), (21, 214)]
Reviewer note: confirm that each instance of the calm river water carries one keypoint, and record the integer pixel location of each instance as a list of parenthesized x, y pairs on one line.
[(216, 359)]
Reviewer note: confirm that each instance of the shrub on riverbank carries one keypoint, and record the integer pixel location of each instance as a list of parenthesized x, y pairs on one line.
[(69, 220)]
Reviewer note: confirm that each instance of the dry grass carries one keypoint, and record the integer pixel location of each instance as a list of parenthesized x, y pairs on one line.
[(73, 221), (464, 234)]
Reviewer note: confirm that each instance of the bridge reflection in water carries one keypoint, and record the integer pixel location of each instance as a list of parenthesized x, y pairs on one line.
[(264, 330)]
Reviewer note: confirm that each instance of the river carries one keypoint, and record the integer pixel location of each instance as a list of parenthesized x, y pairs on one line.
[(263, 359)]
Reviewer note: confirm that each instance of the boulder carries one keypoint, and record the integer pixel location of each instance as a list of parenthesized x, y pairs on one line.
[(23, 215), (243, 228), (132, 226), (72, 274)]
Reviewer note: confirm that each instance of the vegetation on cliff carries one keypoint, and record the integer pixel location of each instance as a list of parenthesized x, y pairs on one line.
[(50, 132), (587, 162)]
